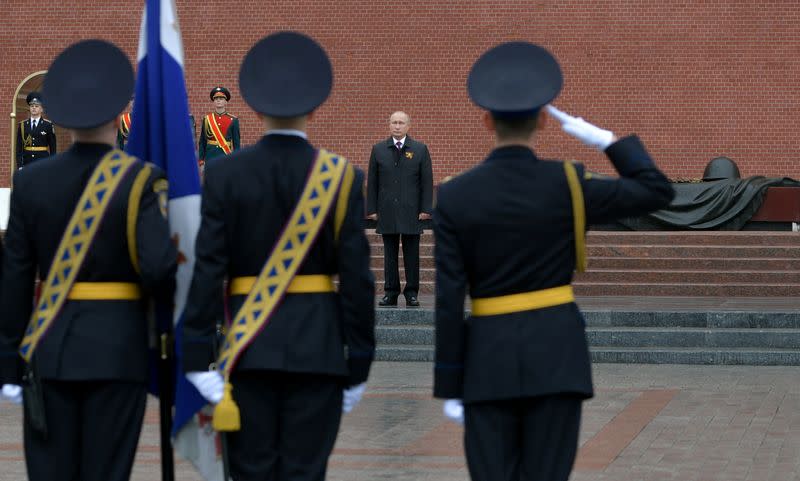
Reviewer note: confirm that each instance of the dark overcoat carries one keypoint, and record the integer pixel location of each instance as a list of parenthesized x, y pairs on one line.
[(246, 202), (400, 186), (506, 227), (88, 340)]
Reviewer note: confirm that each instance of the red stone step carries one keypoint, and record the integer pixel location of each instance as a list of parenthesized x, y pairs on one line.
[(688, 263), (689, 276), (687, 289), (716, 238), (677, 264), (698, 251)]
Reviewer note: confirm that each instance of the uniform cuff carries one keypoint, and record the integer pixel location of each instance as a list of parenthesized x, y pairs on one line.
[(197, 356), (629, 155), (448, 382), (10, 368), (358, 370)]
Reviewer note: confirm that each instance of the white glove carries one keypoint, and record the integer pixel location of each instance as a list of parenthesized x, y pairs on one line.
[(454, 410), (209, 383), (12, 393), (582, 130), (352, 396)]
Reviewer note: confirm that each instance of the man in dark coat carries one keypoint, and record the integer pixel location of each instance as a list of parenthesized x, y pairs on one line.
[(310, 354), (92, 354), (510, 232), (399, 196), (36, 137)]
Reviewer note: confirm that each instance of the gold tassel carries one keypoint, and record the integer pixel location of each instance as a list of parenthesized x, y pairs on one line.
[(226, 412)]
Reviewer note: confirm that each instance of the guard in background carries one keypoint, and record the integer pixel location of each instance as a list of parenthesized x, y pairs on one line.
[(510, 232), (280, 219), (81, 354), (219, 134), (124, 127), (36, 137)]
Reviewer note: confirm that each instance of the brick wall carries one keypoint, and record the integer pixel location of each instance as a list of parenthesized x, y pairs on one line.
[(693, 79)]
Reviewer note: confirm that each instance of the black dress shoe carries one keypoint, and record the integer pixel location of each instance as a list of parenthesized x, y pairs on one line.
[(411, 301), (388, 301)]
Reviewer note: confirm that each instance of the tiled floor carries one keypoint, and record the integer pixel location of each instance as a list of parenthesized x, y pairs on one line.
[(647, 423)]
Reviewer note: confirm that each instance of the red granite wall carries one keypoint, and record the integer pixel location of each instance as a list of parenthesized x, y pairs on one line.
[(693, 79)]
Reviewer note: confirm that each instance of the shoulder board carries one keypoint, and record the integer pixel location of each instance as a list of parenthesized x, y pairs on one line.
[(46, 121), (230, 115)]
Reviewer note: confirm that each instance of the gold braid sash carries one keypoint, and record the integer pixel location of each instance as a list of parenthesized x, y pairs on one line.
[(74, 245), (289, 252), (215, 130)]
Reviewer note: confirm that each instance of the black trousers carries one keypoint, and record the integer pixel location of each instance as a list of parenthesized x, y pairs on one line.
[(530, 439), (391, 282), (93, 429), (289, 425)]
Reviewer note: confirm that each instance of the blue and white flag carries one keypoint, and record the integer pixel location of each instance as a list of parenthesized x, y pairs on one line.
[(161, 133)]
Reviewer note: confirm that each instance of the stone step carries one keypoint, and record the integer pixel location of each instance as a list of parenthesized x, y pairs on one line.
[(728, 356), (662, 251), (655, 264), (690, 276), (424, 317), (719, 356), (704, 252), (632, 337), (688, 337), (709, 238), (644, 289), (685, 289), (404, 353), (688, 263), (647, 264), (428, 274)]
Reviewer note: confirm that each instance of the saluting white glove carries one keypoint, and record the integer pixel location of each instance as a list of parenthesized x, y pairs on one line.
[(352, 396), (209, 383), (454, 410), (582, 130), (12, 393)]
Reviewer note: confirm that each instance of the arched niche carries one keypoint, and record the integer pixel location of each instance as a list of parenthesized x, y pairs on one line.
[(19, 112)]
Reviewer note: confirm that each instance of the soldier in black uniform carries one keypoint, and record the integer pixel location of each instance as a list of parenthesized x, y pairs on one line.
[(36, 137), (289, 381), (509, 232), (92, 361)]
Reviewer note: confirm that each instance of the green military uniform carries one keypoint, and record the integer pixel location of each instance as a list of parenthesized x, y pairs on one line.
[(219, 133)]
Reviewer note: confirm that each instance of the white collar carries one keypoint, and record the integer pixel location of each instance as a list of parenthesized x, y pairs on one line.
[(37, 120), (295, 132), (402, 141)]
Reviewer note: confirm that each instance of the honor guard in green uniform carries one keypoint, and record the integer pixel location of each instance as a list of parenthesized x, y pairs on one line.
[(280, 219), (510, 233), (80, 351), (219, 133), (124, 127), (36, 136)]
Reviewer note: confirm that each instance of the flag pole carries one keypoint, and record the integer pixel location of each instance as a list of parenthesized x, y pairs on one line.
[(166, 389)]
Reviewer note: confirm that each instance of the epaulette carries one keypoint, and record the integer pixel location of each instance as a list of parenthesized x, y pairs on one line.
[(230, 115)]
